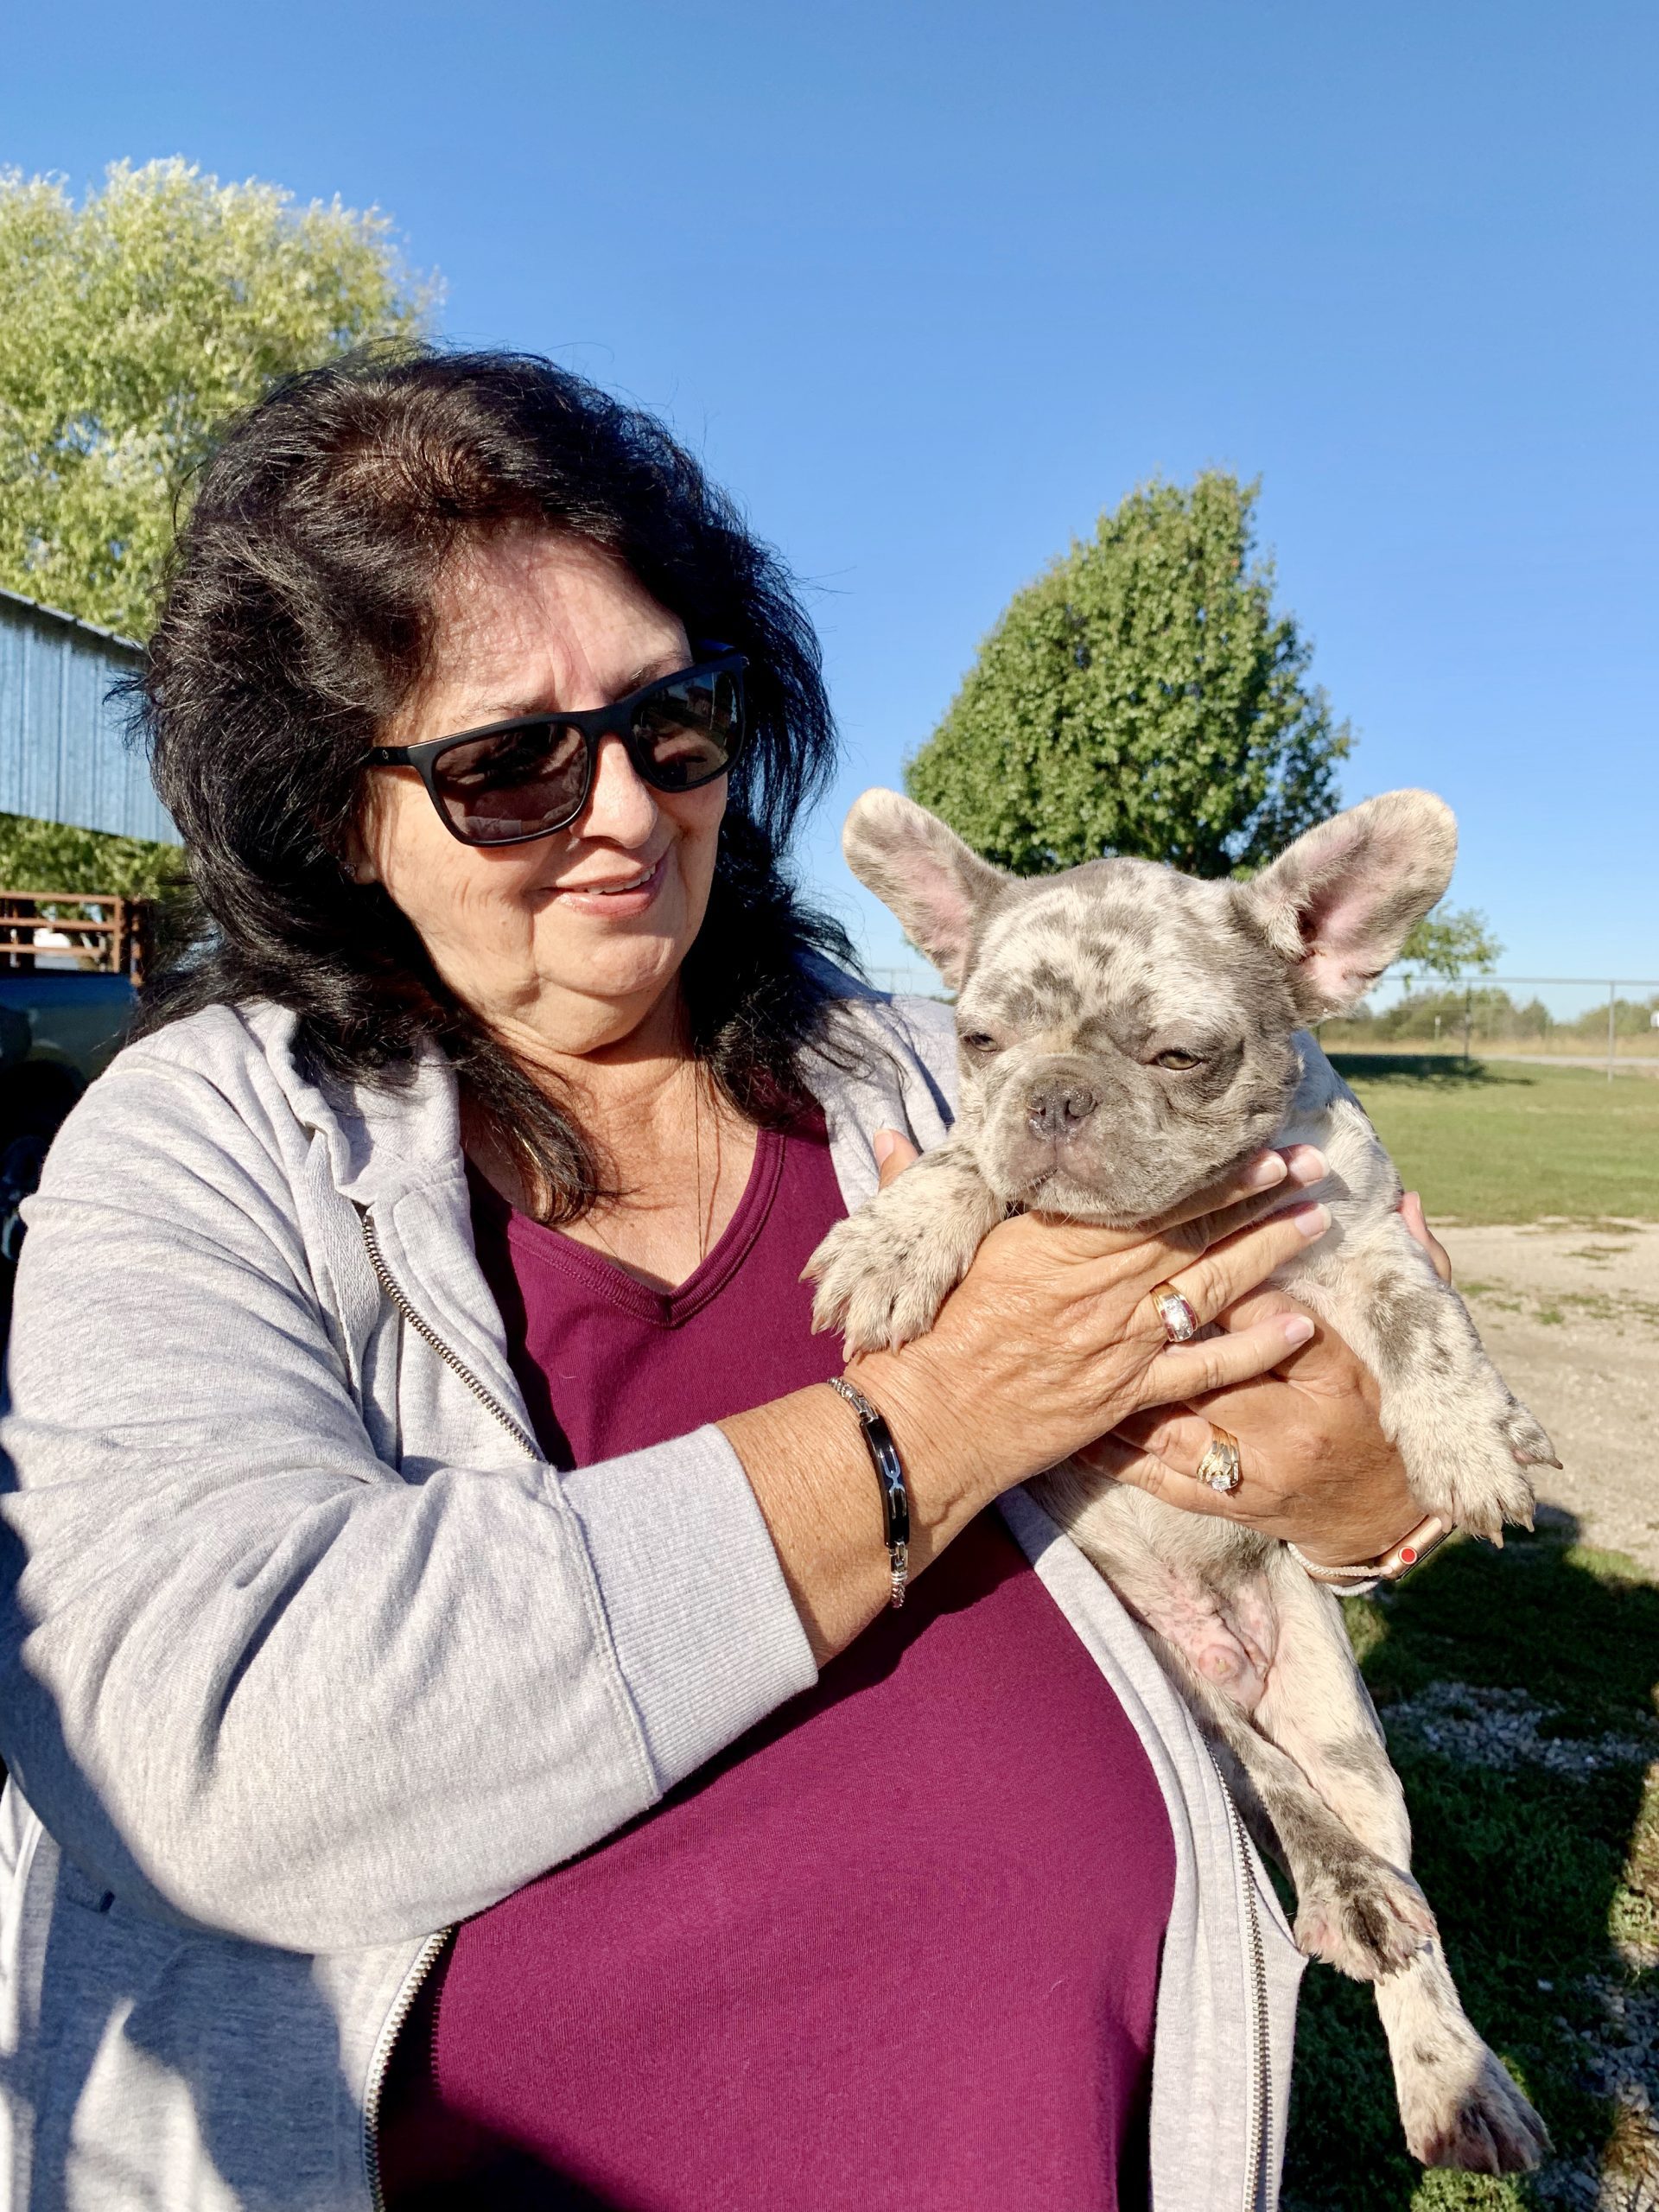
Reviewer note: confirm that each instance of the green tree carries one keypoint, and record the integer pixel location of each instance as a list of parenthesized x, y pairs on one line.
[(1451, 941), (56, 856), (131, 326), (1142, 696)]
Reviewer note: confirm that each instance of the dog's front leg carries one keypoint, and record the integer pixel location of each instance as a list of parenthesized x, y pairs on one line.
[(884, 1273), (1467, 1442)]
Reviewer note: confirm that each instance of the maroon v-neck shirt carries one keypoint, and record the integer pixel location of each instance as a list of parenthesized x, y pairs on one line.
[(896, 1948)]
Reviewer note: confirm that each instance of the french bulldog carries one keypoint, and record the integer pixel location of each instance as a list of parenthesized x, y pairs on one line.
[(1128, 1035)]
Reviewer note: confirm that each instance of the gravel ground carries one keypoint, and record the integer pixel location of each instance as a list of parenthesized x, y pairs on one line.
[(1570, 1315), (1480, 1725)]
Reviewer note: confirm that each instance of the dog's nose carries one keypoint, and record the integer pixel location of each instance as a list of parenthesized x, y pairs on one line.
[(1058, 1110)]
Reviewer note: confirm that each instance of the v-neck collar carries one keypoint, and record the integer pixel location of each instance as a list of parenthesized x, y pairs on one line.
[(668, 1309)]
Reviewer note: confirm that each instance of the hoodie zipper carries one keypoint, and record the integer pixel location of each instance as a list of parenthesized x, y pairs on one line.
[(413, 1982), (428, 1335), (433, 1947), (1261, 2052)]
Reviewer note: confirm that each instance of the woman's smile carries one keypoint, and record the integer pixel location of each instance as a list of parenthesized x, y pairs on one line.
[(613, 897)]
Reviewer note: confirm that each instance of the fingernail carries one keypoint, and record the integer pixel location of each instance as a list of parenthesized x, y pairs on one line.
[(1312, 1221), (1308, 1164), (882, 1145), (1298, 1328), (1263, 1173)]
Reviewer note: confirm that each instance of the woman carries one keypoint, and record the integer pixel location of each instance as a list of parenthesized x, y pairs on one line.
[(463, 1750)]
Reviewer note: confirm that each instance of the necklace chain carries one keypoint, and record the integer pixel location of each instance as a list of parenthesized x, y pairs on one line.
[(696, 1142), (705, 1213)]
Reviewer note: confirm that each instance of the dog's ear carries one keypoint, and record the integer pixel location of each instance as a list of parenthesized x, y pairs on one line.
[(923, 872), (1340, 902)]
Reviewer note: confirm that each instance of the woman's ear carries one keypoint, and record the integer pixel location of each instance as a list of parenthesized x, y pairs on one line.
[(358, 862), (934, 884), (1340, 902)]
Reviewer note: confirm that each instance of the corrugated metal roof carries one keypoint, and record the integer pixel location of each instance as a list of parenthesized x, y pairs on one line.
[(64, 755)]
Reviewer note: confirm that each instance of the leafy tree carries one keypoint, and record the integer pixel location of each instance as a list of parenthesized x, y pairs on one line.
[(54, 856), (1142, 696), (1451, 941), (131, 326)]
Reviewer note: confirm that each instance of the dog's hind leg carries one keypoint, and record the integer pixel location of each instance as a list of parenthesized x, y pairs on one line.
[(1355, 1908), (1459, 2105), (1207, 1595)]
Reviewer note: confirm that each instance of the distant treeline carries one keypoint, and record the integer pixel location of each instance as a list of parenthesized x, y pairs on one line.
[(1493, 1015)]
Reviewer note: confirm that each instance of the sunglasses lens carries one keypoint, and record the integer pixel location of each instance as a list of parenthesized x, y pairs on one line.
[(516, 785), (687, 733)]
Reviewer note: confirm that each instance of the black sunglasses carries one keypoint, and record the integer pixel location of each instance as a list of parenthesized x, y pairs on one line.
[(512, 781)]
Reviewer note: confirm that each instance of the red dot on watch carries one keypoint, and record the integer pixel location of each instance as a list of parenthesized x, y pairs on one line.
[(1408, 1555)]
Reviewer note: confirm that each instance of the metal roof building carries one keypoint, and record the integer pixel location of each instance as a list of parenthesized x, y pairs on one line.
[(64, 755)]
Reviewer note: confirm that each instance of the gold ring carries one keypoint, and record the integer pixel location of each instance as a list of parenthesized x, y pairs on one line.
[(1175, 1311), (1219, 1466)]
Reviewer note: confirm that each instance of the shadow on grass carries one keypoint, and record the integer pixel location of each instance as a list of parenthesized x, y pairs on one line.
[(1529, 1871), (1442, 1069)]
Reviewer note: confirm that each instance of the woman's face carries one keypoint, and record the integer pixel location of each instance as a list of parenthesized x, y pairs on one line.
[(568, 944)]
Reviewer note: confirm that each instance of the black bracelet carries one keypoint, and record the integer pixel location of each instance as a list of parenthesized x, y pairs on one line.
[(890, 1473)]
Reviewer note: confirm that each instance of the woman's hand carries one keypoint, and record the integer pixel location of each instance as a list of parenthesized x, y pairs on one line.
[(1049, 1337), (1317, 1469), (1411, 1213), (1052, 1333)]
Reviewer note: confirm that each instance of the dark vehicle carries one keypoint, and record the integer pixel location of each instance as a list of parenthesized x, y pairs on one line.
[(58, 1028)]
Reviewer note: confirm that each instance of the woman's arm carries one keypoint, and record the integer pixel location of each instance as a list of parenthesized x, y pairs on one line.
[(1049, 1334), (251, 1676)]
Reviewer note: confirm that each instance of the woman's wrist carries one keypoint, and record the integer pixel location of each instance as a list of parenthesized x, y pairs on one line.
[(809, 1467), (944, 1454), (1355, 1577)]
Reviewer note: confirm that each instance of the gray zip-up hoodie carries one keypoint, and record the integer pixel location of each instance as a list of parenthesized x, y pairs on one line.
[(306, 1654)]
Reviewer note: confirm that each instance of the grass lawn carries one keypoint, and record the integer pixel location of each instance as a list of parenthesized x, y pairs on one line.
[(1517, 1690), (1516, 1687), (1496, 1142)]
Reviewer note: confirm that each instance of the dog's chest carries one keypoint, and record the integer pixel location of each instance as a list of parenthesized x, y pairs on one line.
[(1362, 1190)]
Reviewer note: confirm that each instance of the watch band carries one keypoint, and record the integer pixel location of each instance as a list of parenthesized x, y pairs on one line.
[(1412, 1550)]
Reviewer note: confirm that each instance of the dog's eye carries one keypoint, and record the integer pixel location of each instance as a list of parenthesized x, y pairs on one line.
[(1176, 1059), (975, 1040)]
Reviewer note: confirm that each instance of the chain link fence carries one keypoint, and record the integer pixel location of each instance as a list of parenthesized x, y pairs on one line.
[(1571, 1020)]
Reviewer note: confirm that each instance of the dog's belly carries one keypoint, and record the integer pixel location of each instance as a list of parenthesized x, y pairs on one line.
[(1201, 1585)]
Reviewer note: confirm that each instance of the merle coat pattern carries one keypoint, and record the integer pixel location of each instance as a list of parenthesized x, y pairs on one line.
[(1129, 1035)]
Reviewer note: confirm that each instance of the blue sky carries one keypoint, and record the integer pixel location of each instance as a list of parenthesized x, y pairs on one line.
[(928, 286)]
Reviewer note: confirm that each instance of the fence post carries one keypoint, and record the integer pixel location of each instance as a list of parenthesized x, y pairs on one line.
[(1468, 1020), (1612, 1007)]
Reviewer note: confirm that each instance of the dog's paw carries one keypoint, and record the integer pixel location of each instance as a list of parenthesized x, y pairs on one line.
[(1486, 1485), (884, 1273), (1461, 2109), (1363, 1916), (873, 1287), (1526, 1438)]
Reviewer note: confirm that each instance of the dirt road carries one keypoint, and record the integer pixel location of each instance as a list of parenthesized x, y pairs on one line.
[(1572, 1317)]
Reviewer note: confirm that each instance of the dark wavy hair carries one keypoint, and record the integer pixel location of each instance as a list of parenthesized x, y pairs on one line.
[(299, 616)]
